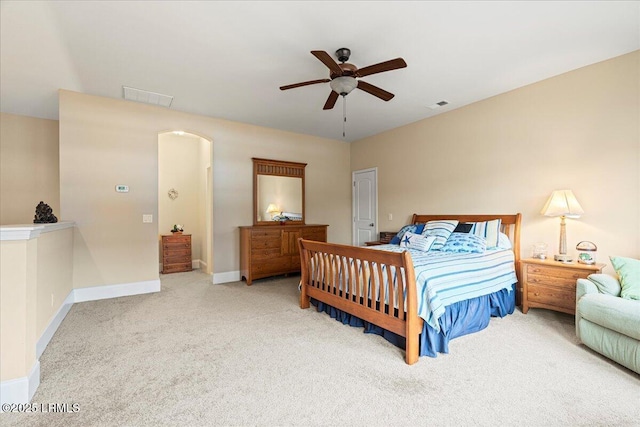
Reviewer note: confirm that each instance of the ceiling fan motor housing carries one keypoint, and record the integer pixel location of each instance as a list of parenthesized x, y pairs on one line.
[(343, 54)]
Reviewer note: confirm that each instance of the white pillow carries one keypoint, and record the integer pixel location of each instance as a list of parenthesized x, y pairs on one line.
[(417, 241), (442, 229), (504, 242)]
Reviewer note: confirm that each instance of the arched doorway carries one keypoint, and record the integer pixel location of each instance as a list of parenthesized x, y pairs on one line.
[(185, 192)]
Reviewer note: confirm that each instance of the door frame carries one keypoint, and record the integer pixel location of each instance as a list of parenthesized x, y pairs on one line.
[(354, 237), (208, 193)]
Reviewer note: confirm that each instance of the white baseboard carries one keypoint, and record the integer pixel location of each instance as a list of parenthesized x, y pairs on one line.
[(21, 390), (226, 277), (95, 293), (53, 325)]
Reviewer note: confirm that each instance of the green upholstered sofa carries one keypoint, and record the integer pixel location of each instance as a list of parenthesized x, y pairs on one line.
[(606, 322)]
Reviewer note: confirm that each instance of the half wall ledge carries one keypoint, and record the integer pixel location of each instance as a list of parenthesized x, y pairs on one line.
[(31, 231)]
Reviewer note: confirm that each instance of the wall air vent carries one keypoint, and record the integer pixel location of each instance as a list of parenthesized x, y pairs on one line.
[(153, 98), (439, 104)]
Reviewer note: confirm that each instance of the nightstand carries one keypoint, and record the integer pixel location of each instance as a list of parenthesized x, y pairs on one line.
[(551, 284), (375, 243)]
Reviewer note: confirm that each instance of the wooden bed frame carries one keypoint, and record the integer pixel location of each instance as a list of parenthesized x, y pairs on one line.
[(327, 283)]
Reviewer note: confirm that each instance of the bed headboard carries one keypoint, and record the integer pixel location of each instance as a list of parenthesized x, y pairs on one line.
[(510, 226)]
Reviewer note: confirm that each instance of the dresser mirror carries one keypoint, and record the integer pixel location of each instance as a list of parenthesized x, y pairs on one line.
[(278, 192)]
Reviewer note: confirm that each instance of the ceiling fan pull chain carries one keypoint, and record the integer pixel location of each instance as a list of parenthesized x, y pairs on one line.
[(344, 116)]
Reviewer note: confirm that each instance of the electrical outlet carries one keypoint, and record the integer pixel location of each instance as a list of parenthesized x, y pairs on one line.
[(147, 218), (390, 217), (51, 300)]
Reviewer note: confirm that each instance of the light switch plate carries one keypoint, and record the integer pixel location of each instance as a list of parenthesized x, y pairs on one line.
[(147, 218)]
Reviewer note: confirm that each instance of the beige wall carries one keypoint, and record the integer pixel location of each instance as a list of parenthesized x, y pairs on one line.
[(28, 167), (104, 142), (579, 130), (54, 266), (17, 308)]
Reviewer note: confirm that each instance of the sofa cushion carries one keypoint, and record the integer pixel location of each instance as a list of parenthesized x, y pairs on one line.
[(628, 270), (611, 312), (606, 284)]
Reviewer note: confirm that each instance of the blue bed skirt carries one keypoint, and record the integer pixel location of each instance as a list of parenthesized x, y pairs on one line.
[(461, 318)]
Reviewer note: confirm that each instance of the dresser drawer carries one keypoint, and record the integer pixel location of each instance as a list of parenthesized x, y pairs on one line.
[(177, 246), (557, 296), (176, 259), (175, 268), (266, 242), (316, 235), (276, 265), (265, 254), (176, 239), (171, 252)]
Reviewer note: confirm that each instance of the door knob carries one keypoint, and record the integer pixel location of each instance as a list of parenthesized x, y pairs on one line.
[(371, 225)]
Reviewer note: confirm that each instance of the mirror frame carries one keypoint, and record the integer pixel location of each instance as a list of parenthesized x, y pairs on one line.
[(277, 168)]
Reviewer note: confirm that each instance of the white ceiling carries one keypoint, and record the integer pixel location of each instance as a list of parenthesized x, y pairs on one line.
[(228, 59)]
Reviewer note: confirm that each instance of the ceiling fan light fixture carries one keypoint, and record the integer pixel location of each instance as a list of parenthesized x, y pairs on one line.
[(343, 85)]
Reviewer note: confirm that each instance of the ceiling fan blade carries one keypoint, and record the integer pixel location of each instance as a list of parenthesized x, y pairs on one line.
[(392, 64), (375, 90), (310, 82), (327, 60), (331, 100)]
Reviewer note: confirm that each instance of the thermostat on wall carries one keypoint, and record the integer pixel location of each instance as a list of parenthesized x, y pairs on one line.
[(122, 188)]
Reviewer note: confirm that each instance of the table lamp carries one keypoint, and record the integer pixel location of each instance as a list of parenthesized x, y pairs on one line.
[(562, 203), (272, 209)]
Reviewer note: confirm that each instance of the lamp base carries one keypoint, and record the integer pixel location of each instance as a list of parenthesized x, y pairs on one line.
[(562, 258)]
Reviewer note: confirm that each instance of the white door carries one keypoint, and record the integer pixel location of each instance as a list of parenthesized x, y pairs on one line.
[(365, 206)]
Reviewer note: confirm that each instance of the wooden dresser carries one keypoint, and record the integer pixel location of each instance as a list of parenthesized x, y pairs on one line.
[(551, 284), (176, 253), (270, 250)]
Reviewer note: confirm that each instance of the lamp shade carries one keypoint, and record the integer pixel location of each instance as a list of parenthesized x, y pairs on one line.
[(272, 208), (562, 203)]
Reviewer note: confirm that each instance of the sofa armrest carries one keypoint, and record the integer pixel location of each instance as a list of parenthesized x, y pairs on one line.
[(583, 287)]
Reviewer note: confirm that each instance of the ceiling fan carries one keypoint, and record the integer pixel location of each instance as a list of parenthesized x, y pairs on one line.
[(343, 76)]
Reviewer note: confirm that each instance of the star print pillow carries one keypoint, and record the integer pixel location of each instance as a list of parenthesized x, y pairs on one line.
[(417, 241)]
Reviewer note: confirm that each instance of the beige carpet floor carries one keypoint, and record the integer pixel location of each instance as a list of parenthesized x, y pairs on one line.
[(198, 354)]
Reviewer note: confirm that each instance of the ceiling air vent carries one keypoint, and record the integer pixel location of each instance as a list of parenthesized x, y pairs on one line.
[(153, 98), (439, 104)]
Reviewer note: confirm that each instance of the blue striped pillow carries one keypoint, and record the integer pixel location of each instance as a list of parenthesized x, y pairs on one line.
[(441, 229), (490, 230)]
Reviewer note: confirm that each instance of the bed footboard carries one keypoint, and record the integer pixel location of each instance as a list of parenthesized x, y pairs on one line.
[(376, 286)]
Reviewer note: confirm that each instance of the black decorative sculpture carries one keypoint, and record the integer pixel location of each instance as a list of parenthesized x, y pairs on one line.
[(44, 214)]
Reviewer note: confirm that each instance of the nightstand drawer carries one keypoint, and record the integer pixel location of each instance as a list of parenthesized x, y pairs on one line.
[(552, 296), (566, 275)]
